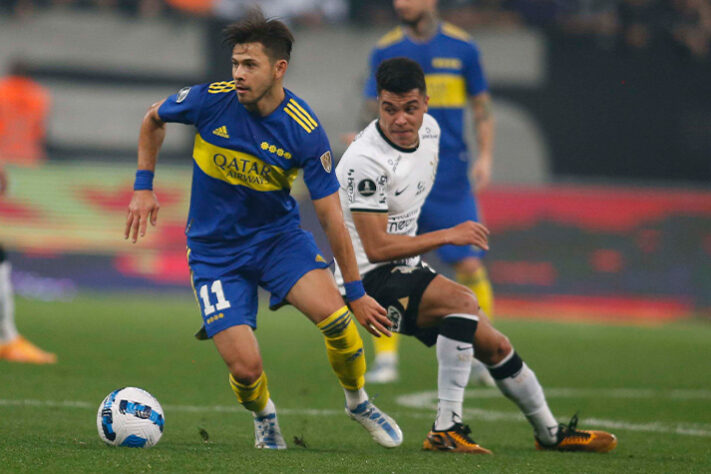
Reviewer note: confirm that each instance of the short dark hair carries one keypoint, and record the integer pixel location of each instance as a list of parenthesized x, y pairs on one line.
[(273, 34), (400, 75)]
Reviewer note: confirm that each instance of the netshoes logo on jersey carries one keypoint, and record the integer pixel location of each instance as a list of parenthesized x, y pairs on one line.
[(240, 169)]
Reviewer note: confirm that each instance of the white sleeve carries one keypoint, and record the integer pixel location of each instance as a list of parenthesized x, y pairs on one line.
[(366, 184)]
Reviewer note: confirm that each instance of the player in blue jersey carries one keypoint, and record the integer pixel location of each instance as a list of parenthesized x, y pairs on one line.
[(455, 81), (253, 136)]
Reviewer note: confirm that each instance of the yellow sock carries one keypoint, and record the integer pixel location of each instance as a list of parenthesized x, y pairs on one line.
[(481, 286), (253, 397), (385, 345), (344, 348)]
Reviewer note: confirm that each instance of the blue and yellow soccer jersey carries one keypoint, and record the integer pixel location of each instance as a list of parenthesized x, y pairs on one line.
[(245, 164), (453, 72)]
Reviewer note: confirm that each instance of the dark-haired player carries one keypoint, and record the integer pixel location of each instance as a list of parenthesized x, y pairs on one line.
[(386, 175), (253, 136), (456, 81)]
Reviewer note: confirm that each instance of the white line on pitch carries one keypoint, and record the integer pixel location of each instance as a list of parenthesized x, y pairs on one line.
[(428, 401)]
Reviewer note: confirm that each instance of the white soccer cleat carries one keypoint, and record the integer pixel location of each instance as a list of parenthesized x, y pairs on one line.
[(267, 434), (382, 372), (381, 427)]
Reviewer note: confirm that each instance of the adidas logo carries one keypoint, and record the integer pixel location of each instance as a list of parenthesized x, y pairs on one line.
[(221, 132)]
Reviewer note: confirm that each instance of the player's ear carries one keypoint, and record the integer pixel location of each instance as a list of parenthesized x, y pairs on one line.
[(280, 67), (427, 102)]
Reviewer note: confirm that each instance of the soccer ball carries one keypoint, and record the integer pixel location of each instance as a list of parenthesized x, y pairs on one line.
[(130, 417)]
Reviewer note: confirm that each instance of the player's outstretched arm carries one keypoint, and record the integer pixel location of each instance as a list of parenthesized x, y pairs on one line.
[(380, 246), (366, 310), (144, 203)]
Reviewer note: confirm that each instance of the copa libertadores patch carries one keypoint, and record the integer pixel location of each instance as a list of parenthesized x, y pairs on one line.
[(182, 94), (366, 187)]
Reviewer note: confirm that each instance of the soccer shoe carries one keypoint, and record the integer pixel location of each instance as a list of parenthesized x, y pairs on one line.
[(267, 434), (454, 440), (382, 372), (22, 350), (572, 439), (381, 427)]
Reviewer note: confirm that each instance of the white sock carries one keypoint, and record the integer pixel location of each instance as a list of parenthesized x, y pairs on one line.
[(385, 359), (454, 359), (355, 397), (525, 391), (8, 331), (269, 408)]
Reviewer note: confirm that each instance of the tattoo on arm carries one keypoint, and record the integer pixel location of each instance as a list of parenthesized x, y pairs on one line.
[(482, 107)]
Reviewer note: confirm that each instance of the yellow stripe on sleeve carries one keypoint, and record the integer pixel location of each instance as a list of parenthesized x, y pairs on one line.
[(301, 116), (304, 112), (297, 119)]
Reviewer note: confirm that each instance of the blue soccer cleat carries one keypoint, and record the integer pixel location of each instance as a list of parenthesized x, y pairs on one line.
[(381, 427)]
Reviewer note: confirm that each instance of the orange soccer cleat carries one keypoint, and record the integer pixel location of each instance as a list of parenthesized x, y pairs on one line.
[(454, 440), (572, 439), (22, 350)]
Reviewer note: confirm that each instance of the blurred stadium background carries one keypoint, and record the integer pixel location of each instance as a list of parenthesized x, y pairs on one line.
[(601, 203)]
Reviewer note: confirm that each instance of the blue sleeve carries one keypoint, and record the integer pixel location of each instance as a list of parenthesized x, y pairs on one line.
[(474, 72), (183, 106), (371, 90), (318, 165)]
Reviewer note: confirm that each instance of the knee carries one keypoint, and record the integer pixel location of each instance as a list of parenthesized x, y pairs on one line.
[(496, 351), (464, 301), (246, 373)]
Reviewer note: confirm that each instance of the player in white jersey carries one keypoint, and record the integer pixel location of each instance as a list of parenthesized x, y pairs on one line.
[(382, 177), (385, 176)]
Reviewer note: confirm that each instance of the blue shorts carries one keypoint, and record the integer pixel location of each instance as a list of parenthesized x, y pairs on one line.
[(444, 213), (226, 284)]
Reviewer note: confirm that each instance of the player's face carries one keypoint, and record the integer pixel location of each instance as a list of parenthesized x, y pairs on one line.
[(254, 72), (411, 12), (400, 116)]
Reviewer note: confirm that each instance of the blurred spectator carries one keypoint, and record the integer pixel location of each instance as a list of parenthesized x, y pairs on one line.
[(690, 27), (469, 14), (638, 22), (304, 12), (24, 108), (591, 18)]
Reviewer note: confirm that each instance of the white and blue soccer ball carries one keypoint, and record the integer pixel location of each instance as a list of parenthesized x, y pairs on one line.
[(130, 417)]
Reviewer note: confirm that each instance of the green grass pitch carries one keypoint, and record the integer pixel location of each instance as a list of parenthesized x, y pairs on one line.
[(649, 385)]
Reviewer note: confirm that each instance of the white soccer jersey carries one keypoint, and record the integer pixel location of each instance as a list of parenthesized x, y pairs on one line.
[(378, 176)]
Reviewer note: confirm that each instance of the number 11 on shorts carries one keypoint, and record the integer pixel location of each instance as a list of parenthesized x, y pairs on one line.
[(221, 304)]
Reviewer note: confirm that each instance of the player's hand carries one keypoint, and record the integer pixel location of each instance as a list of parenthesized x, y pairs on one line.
[(469, 233), (481, 172), (371, 316), (347, 138), (144, 206)]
